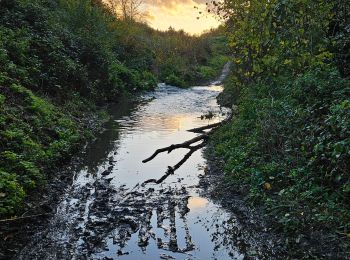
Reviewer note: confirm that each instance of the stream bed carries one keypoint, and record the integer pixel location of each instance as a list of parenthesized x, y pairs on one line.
[(109, 213)]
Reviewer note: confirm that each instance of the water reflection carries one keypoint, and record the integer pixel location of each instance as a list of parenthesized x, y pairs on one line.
[(107, 213), (197, 203)]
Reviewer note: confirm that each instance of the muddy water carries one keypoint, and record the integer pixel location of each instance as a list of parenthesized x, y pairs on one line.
[(107, 213)]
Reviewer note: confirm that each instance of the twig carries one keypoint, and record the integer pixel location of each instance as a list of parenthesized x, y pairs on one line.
[(202, 128), (188, 145), (170, 148), (24, 217), (211, 126), (171, 170)]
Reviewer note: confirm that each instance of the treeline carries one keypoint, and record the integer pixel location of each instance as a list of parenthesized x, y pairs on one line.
[(184, 60), (58, 59), (79, 46), (288, 148)]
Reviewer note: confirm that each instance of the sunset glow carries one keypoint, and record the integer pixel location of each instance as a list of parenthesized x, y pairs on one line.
[(180, 14)]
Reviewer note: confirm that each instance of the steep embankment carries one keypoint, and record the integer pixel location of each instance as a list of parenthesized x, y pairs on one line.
[(35, 135), (52, 75), (288, 147)]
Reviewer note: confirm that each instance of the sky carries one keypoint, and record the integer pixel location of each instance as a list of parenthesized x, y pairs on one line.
[(179, 14)]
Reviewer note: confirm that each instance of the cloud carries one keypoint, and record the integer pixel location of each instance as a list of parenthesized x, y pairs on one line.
[(179, 14), (173, 4), (148, 16)]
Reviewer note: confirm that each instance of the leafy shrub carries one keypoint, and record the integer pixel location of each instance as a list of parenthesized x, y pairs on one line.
[(289, 145), (174, 80), (11, 193), (291, 150), (207, 72), (60, 58), (2, 99), (33, 133), (147, 81)]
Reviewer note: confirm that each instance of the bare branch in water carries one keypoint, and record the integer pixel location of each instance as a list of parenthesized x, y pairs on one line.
[(187, 145), (172, 147), (211, 126), (171, 170)]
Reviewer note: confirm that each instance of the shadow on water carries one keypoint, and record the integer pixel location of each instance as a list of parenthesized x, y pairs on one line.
[(97, 151)]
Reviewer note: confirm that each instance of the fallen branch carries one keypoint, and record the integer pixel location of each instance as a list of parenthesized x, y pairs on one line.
[(188, 155), (171, 170), (211, 126), (24, 217), (202, 128), (166, 175), (170, 148), (188, 145)]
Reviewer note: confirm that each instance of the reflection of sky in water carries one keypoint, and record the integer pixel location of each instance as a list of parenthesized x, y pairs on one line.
[(158, 123), (163, 121), (159, 119), (197, 203)]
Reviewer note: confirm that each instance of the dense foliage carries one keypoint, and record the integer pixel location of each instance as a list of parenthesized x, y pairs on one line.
[(34, 134), (58, 59), (289, 145), (204, 57)]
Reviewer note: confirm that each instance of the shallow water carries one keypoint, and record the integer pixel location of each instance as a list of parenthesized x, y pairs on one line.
[(107, 213)]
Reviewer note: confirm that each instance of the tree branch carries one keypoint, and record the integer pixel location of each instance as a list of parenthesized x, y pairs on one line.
[(24, 217), (211, 126), (171, 170), (172, 147), (188, 145)]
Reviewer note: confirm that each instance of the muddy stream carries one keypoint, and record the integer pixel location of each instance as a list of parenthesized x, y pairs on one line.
[(107, 213)]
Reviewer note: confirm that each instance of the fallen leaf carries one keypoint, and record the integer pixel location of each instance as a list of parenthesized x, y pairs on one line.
[(267, 186)]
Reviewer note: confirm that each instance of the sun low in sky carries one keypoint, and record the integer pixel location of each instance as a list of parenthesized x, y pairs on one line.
[(179, 14)]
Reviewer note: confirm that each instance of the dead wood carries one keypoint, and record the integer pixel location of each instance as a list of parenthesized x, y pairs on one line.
[(187, 145), (172, 147), (172, 169), (24, 217), (202, 128), (210, 126)]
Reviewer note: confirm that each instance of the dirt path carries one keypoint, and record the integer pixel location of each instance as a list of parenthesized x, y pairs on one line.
[(109, 212)]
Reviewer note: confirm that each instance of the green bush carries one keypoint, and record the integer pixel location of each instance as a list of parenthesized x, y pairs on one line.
[(288, 147), (174, 80), (33, 133), (11, 193), (58, 59), (2, 100), (207, 72), (291, 150)]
